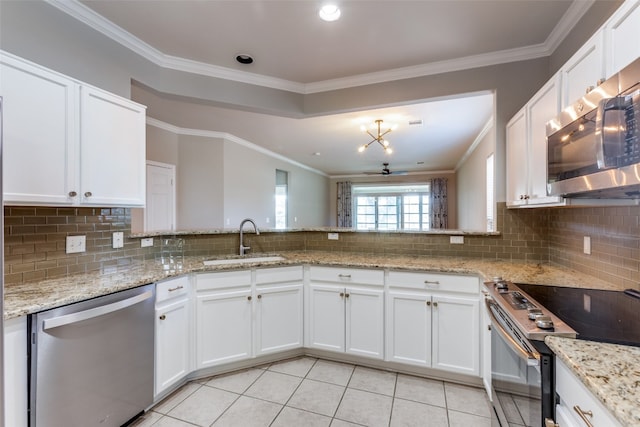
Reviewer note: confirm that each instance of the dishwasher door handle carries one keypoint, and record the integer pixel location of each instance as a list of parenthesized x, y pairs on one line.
[(68, 319)]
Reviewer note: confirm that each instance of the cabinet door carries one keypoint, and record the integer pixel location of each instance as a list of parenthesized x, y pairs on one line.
[(40, 134), (544, 106), (279, 318), (623, 37), (517, 174), (364, 317), (326, 317), (16, 378), (223, 327), (583, 70), (172, 343), (112, 149), (456, 334), (408, 328)]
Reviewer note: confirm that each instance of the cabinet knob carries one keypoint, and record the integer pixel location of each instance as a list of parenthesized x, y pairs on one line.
[(259, 296), (341, 294), (249, 298), (429, 303), (346, 295), (589, 89), (162, 317), (88, 194), (435, 304), (583, 415), (72, 194)]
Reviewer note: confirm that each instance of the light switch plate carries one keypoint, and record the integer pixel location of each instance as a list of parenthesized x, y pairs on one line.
[(332, 236), (118, 240), (76, 244), (587, 245)]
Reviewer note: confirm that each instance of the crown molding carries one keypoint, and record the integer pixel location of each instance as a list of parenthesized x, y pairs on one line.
[(228, 137), (86, 15)]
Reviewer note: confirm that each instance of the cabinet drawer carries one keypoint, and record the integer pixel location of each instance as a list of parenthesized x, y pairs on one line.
[(172, 288), (346, 275), (278, 275), (435, 282), (224, 279), (573, 393)]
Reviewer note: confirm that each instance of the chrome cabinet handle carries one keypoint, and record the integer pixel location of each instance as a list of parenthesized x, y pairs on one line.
[(176, 288), (584, 414), (72, 194), (162, 317), (88, 194), (431, 282), (344, 276)]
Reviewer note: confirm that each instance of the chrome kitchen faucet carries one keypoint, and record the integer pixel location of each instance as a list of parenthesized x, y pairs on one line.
[(244, 248)]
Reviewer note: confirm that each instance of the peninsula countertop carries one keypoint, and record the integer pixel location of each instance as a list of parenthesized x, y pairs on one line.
[(609, 371), (27, 298)]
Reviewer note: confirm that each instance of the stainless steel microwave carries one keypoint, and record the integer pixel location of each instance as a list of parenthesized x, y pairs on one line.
[(593, 146)]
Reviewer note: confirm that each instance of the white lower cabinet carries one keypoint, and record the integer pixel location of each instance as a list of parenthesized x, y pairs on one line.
[(173, 332), (279, 315), (577, 406), (346, 311), (16, 378), (224, 327), (433, 320)]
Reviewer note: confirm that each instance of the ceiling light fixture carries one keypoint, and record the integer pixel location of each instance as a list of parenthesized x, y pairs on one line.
[(329, 12), (244, 59), (379, 138)]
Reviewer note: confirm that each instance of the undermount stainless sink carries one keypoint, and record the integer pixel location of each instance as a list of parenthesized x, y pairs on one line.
[(245, 260)]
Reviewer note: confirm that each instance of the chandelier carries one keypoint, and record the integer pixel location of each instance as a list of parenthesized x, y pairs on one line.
[(379, 138)]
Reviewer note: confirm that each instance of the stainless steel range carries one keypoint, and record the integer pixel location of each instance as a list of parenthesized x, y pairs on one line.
[(522, 366)]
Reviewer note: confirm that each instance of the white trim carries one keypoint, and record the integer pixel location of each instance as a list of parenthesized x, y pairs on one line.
[(228, 137), (404, 174), (86, 15), (487, 127)]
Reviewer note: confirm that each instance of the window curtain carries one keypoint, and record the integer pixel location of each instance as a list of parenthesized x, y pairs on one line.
[(344, 204), (438, 201)]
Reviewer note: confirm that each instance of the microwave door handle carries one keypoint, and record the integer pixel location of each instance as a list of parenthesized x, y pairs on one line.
[(532, 359), (608, 104)]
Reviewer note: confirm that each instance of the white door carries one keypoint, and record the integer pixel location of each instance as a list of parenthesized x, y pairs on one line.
[(40, 134), (408, 327), (112, 149), (172, 343), (364, 317), (326, 317), (456, 332), (279, 318), (223, 327), (160, 208)]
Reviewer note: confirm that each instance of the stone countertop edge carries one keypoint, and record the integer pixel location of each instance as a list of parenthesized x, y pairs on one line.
[(609, 371), (27, 298), (218, 231)]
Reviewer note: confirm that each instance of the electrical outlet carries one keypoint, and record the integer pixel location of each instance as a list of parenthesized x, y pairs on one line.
[(118, 240), (456, 240), (332, 236), (145, 243), (587, 245), (76, 244)]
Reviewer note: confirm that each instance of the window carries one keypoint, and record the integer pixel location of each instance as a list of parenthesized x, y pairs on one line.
[(391, 207), (491, 219), (282, 185)]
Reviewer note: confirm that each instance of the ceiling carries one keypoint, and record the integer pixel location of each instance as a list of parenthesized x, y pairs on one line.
[(380, 40)]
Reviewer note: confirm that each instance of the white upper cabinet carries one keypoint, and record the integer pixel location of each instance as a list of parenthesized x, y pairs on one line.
[(527, 148), (584, 71), (67, 143), (622, 37)]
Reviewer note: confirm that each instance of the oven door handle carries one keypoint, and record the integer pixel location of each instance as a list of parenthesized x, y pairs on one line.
[(532, 358)]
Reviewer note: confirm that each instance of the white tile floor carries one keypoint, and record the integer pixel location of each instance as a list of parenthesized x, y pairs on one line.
[(313, 392)]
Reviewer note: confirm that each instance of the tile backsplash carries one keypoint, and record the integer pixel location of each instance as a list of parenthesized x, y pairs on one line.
[(35, 241)]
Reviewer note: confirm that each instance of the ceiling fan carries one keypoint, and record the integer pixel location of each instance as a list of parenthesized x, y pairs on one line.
[(386, 171)]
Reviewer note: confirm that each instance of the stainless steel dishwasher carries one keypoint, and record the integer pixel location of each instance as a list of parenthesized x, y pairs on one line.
[(92, 361)]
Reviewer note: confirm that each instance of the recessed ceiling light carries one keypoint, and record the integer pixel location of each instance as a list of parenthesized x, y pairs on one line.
[(244, 59), (316, 153), (329, 12)]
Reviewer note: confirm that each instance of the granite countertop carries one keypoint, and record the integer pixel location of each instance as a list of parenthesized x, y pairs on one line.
[(27, 298), (609, 371)]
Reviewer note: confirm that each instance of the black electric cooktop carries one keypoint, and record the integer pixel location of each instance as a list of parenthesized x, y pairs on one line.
[(597, 315)]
